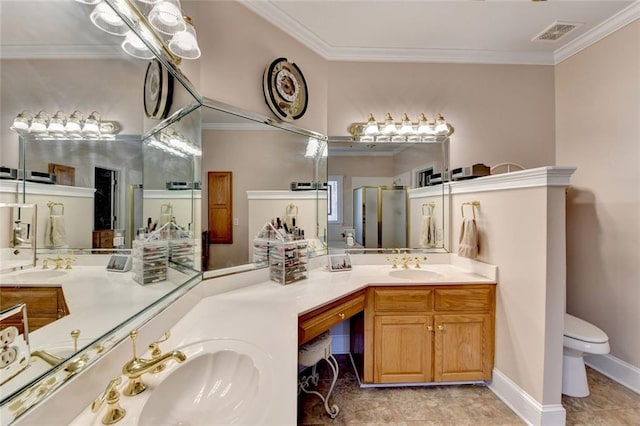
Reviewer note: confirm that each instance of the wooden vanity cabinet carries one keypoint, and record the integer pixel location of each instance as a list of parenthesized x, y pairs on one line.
[(44, 304), (316, 322), (416, 334)]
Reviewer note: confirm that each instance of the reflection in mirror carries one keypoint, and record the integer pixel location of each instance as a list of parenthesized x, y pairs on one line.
[(14, 340), (18, 225), (380, 195), (261, 162), (79, 67)]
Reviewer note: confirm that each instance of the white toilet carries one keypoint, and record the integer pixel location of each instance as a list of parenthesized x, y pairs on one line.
[(580, 337)]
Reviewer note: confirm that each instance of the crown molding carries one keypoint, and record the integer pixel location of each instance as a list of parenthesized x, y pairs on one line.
[(67, 51), (597, 33), (283, 21), (529, 178)]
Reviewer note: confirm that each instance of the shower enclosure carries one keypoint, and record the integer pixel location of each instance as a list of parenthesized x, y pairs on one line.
[(380, 216)]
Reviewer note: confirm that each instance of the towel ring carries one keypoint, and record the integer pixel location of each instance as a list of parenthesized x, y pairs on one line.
[(473, 205), (431, 206), (52, 206)]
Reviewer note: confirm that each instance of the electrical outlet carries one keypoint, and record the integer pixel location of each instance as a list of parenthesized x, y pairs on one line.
[(8, 335), (7, 356)]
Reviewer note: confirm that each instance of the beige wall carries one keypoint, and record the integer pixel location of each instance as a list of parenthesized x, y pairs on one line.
[(598, 130), (521, 231), (500, 112), (238, 45)]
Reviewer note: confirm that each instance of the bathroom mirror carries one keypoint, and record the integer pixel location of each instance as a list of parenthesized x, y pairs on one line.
[(264, 158), (59, 61), (379, 195), (17, 231)]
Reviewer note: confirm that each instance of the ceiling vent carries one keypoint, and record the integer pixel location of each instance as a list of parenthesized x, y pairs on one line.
[(556, 31)]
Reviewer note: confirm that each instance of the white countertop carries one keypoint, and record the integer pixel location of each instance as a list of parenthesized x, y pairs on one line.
[(266, 316), (98, 300)]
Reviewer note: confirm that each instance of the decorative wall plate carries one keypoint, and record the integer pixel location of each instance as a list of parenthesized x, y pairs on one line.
[(158, 91), (285, 89)]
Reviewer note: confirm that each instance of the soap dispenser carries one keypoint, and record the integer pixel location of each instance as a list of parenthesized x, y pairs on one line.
[(349, 239)]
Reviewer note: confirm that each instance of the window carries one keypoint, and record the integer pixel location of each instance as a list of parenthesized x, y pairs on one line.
[(334, 198)]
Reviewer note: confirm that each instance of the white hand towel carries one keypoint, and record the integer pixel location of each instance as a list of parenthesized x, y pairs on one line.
[(427, 232), (469, 241), (55, 235)]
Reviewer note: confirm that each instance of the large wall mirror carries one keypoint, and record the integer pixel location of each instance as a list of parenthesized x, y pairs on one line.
[(262, 159), (382, 195), (106, 191)]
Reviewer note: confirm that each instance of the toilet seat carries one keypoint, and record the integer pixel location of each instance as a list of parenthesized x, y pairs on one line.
[(579, 329)]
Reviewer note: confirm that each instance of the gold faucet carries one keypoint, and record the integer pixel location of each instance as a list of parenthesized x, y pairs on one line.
[(136, 367), (111, 396), (156, 352)]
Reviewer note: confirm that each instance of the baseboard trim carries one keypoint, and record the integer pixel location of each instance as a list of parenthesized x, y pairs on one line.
[(529, 410), (616, 369)]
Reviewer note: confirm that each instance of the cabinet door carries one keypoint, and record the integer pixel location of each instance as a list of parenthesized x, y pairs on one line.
[(463, 347), (403, 349)]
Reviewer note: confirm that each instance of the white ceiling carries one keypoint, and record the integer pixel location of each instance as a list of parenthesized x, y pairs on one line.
[(473, 31), (487, 31)]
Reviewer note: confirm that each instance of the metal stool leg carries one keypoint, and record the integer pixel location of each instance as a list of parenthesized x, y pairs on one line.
[(303, 385)]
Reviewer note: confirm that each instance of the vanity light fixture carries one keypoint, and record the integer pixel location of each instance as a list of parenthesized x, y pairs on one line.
[(61, 127), (105, 18), (166, 17), (135, 47), (40, 123), (57, 124), (159, 23), (185, 43), (173, 142), (21, 123), (406, 131), (91, 126)]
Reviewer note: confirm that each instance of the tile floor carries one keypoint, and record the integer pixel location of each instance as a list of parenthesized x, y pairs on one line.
[(608, 404)]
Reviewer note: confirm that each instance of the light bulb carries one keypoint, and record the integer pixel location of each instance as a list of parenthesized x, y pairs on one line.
[(185, 43), (406, 127), (91, 126), (371, 128), (134, 46), (22, 122), (57, 124), (105, 18), (166, 17), (389, 127), (441, 125), (39, 123)]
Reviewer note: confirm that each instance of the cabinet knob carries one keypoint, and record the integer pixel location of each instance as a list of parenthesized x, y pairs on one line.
[(441, 327), (341, 315), (429, 328)]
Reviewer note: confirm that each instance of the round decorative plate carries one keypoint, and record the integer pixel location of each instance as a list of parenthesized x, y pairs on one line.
[(158, 91), (285, 89)]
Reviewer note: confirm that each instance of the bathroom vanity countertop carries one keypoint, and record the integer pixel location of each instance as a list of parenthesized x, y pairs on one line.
[(266, 316), (98, 300)]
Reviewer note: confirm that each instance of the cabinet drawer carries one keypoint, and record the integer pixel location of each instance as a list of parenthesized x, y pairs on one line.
[(464, 299), (316, 322), (402, 300)]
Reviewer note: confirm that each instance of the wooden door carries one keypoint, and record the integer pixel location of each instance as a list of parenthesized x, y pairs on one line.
[(463, 347), (220, 196), (402, 349)]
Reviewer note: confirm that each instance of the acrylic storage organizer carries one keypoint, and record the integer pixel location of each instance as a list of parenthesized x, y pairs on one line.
[(262, 244), (288, 261), (150, 261)]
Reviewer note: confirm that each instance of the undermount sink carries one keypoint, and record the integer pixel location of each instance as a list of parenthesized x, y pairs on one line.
[(224, 381), (414, 274)]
